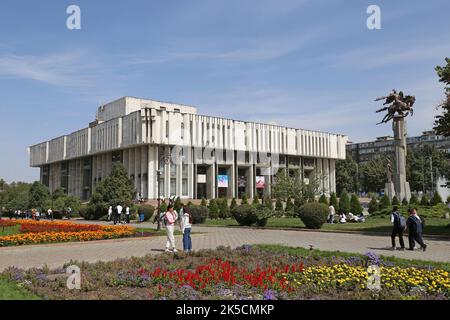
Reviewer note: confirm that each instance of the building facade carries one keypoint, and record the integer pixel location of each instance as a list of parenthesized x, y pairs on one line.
[(366, 151), (170, 148)]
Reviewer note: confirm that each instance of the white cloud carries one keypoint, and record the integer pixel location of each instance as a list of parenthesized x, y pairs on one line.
[(55, 69)]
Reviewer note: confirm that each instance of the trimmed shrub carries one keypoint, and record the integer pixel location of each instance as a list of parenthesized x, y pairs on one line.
[(425, 201), (436, 199), (268, 203), (244, 199), (405, 202), (298, 202), (385, 202), (203, 203), (263, 213), (147, 210), (313, 215), (289, 209), (163, 206), (233, 204), (213, 209), (279, 205), (323, 199), (256, 200), (355, 205), (414, 200), (198, 213), (373, 205), (224, 210), (344, 202), (245, 215), (395, 201)]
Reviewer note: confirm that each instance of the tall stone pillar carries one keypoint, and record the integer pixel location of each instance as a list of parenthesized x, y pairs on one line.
[(401, 186)]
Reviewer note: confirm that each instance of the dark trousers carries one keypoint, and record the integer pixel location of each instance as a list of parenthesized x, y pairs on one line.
[(415, 237), (399, 232), (116, 218), (187, 241), (127, 218)]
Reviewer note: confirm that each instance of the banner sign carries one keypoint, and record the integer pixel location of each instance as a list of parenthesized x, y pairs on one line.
[(222, 181)]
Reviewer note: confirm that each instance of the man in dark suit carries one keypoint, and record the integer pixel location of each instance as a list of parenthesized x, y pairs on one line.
[(415, 229), (399, 227)]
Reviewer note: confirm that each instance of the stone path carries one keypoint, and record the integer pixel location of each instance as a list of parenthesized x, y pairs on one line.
[(55, 255)]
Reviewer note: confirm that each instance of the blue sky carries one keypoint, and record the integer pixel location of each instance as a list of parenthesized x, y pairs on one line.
[(309, 63)]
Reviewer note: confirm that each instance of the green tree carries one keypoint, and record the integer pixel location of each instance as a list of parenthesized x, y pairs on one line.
[(373, 205), (233, 204), (355, 205), (414, 200), (298, 202), (289, 207), (177, 205), (347, 175), (203, 203), (255, 200), (38, 195), (115, 189), (344, 202), (425, 201), (213, 209), (373, 174), (334, 201), (279, 205), (436, 199), (323, 199), (395, 201), (385, 202), (268, 202), (244, 199), (224, 210), (442, 122), (422, 163)]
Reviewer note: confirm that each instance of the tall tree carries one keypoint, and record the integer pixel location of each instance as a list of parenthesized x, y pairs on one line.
[(442, 122), (373, 174), (38, 195), (346, 175)]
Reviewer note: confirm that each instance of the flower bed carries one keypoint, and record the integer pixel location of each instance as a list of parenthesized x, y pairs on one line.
[(34, 232), (244, 273), (30, 226), (8, 223)]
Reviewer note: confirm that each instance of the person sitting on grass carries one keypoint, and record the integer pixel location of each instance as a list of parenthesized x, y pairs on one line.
[(342, 217)]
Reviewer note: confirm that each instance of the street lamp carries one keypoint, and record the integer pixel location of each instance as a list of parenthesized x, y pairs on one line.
[(158, 217)]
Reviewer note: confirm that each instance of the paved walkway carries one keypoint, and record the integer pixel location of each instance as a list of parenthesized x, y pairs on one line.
[(55, 255)]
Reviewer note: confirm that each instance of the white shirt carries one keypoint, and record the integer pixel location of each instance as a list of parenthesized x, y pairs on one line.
[(109, 210), (332, 211), (185, 223), (127, 211), (119, 209)]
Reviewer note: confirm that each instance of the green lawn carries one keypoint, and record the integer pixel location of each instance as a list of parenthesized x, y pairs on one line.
[(434, 226), (12, 291), (9, 230)]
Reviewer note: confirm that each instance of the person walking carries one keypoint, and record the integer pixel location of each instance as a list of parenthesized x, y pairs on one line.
[(50, 214), (127, 214), (110, 211), (186, 227), (69, 212), (399, 226), (117, 216), (331, 214), (170, 218), (415, 229)]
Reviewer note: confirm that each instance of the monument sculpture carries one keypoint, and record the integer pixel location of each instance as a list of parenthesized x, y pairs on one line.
[(398, 107)]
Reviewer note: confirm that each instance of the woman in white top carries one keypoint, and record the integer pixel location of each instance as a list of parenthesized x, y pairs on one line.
[(127, 214), (110, 213), (186, 226)]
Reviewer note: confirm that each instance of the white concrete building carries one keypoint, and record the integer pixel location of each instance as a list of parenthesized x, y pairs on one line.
[(193, 155)]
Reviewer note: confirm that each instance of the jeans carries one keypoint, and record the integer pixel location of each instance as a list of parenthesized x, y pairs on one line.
[(170, 237), (399, 232), (187, 241), (117, 218)]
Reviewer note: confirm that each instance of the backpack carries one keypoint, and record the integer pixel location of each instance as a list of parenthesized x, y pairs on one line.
[(400, 220)]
